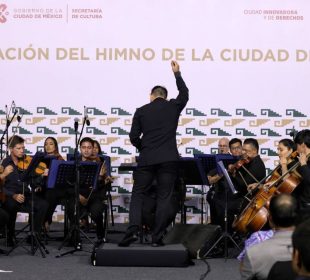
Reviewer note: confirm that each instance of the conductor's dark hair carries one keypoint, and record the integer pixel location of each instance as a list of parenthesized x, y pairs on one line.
[(301, 242), (283, 209), (253, 142), (303, 137), (159, 91)]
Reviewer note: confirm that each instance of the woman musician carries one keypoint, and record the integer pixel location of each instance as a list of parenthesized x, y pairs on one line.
[(56, 195)]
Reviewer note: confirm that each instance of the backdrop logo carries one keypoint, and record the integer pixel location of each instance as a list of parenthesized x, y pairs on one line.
[(3, 13)]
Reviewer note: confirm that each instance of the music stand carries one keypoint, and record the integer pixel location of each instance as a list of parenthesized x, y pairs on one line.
[(226, 159), (63, 174), (28, 176), (206, 163), (225, 234), (189, 174), (107, 161)]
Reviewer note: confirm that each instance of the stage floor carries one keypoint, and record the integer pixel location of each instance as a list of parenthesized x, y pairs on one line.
[(78, 265)]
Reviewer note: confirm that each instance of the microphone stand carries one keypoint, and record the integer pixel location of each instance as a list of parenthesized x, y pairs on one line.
[(6, 134), (75, 230)]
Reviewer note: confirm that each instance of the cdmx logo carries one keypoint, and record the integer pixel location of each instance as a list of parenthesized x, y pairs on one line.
[(3, 13)]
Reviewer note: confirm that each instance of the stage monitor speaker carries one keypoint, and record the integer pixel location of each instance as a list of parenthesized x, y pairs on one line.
[(198, 239), (141, 255)]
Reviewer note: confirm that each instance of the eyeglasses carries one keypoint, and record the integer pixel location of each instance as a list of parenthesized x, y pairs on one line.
[(236, 148), (222, 146)]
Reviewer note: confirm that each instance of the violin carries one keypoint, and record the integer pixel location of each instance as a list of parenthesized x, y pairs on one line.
[(24, 162), (236, 166)]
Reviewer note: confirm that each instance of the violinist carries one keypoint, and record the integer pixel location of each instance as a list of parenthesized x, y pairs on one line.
[(56, 195), (216, 194), (302, 192), (97, 149), (18, 196)]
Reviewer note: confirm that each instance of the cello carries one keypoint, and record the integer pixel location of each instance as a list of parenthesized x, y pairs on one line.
[(255, 215)]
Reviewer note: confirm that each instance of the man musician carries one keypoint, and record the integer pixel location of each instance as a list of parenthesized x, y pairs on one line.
[(153, 133), (247, 174), (18, 195), (217, 194), (92, 200)]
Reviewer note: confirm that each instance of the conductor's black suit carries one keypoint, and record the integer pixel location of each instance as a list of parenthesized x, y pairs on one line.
[(153, 133)]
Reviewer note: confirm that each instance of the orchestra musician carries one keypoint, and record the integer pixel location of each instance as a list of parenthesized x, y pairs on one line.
[(93, 199), (216, 195), (251, 171), (153, 133), (53, 196), (18, 196)]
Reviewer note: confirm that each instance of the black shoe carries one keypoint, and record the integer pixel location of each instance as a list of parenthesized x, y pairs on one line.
[(129, 238)]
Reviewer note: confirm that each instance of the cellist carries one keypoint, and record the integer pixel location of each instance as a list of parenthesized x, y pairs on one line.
[(252, 171)]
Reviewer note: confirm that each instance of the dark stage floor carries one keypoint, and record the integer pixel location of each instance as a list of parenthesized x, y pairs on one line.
[(78, 265)]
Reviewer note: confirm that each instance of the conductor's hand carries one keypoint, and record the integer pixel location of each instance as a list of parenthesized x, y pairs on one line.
[(19, 198), (175, 66), (83, 200)]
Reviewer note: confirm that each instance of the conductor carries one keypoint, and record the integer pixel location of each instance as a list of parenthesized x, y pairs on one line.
[(153, 133)]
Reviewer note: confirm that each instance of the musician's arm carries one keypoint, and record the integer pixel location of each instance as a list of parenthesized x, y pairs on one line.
[(182, 97)]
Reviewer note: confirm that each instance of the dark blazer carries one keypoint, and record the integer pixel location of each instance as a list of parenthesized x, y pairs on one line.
[(282, 271), (157, 122)]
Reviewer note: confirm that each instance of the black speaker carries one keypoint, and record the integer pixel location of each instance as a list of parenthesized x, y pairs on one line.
[(198, 239), (141, 255)]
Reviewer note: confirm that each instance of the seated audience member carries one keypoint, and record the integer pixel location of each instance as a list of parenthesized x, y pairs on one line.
[(260, 258), (301, 250)]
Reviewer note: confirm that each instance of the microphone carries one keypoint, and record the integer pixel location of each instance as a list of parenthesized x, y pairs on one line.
[(87, 120), (14, 110), (76, 124), (293, 133), (86, 116)]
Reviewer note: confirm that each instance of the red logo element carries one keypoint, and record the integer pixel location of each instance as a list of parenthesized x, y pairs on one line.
[(3, 13)]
